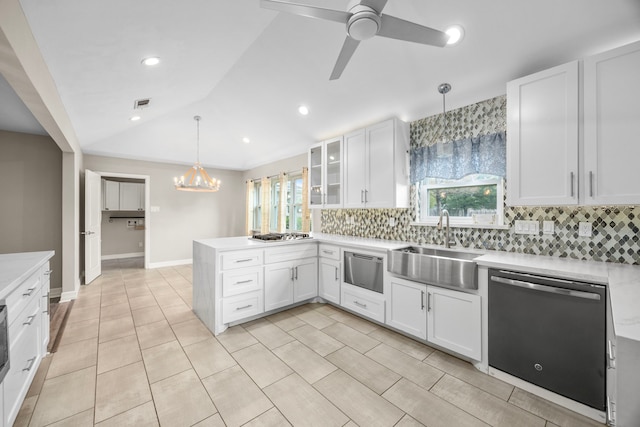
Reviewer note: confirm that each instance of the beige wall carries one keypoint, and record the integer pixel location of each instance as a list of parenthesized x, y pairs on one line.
[(290, 164), (31, 195), (118, 239), (183, 216)]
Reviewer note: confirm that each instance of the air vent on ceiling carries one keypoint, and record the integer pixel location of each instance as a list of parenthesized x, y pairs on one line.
[(139, 104)]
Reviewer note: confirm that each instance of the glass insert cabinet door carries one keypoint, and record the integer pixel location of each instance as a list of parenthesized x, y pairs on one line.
[(325, 174)]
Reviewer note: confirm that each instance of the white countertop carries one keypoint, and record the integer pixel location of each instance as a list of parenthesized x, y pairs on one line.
[(15, 268), (623, 280)]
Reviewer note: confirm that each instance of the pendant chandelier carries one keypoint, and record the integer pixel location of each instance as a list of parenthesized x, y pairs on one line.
[(444, 147), (196, 178)]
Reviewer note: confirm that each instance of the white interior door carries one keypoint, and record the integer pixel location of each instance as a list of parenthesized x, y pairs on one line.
[(92, 220)]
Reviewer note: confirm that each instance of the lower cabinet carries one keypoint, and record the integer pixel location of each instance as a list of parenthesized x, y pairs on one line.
[(407, 307), (289, 282), (367, 303), (242, 305), (329, 280), (454, 321), (444, 317)]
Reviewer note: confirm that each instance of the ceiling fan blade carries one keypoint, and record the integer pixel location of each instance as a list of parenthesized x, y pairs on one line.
[(346, 53), (305, 10), (396, 28), (376, 5)]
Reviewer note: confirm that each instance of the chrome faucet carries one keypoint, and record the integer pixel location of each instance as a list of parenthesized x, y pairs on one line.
[(445, 212)]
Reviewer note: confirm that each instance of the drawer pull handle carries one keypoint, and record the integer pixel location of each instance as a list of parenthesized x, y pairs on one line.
[(244, 307), (48, 272), (29, 292), (327, 252), (244, 260), (360, 304), (242, 282), (30, 364), (30, 321)]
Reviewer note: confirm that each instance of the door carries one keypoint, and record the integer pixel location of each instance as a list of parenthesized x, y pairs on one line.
[(131, 196), (542, 147), (92, 220), (305, 275), (407, 310), (329, 280), (354, 169), (333, 173), (278, 285)]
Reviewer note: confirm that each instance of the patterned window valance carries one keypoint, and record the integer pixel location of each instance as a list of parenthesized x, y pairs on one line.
[(485, 154)]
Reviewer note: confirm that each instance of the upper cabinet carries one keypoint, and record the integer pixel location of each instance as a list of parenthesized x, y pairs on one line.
[(122, 196), (542, 138), (612, 127), (376, 173), (325, 174), (553, 157)]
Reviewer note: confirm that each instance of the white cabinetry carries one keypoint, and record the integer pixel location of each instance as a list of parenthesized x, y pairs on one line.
[(27, 316), (611, 94), (542, 150), (325, 174), (290, 275), (407, 307), (122, 196), (376, 166), (364, 302), (329, 273), (242, 284), (454, 321), (549, 163)]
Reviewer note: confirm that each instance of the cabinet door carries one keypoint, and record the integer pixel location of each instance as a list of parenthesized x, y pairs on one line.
[(380, 172), (329, 280), (278, 285), (316, 156), (354, 169), (305, 274), (454, 321), (131, 196), (333, 173), (407, 307), (611, 151), (110, 195), (542, 142)]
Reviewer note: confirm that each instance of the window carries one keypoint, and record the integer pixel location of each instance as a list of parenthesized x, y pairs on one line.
[(293, 212), (257, 206), (473, 199)]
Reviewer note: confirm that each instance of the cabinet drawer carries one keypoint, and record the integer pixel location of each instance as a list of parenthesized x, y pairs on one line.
[(290, 252), (24, 362), (329, 251), (242, 306), (241, 259), (22, 296), (363, 302), (240, 281), (28, 317)]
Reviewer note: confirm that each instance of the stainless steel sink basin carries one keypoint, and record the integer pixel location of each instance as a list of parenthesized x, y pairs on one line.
[(441, 267)]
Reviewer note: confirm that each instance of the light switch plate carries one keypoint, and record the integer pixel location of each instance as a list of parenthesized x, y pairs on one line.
[(527, 227), (548, 227), (584, 229)]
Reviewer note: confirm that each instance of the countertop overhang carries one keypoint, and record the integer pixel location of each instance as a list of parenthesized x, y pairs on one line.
[(16, 267)]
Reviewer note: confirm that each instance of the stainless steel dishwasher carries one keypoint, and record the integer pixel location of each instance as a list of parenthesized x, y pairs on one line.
[(550, 332), (364, 271)]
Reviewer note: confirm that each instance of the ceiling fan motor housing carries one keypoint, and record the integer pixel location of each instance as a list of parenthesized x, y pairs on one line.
[(364, 23)]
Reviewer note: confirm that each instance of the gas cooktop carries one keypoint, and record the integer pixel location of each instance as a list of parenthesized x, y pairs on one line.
[(279, 237)]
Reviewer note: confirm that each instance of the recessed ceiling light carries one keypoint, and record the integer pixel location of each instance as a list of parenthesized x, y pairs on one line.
[(135, 118), (246, 140), (150, 61), (303, 109), (455, 33)]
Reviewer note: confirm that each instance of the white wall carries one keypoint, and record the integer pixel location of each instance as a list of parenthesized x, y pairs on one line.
[(183, 216)]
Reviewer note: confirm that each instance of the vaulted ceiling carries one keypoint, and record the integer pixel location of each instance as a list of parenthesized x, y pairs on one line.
[(246, 70)]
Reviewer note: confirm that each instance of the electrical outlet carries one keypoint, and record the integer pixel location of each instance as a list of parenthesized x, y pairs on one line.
[(584, 229), (392, 222), (548, 227)]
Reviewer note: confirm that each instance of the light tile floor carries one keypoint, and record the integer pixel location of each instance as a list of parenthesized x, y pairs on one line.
[(134, 354)]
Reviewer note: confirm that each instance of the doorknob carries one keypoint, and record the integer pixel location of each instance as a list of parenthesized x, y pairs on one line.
[(87, 233)]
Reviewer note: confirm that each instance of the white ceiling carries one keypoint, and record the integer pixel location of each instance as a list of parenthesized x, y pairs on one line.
[(245, 70)]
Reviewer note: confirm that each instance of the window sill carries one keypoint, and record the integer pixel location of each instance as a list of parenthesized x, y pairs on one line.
[(487, 226)]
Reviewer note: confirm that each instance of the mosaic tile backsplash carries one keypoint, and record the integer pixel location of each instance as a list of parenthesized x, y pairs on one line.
[(616, 230)]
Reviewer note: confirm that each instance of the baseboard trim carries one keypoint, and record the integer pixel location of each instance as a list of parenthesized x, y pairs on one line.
[(170, 263), (68, 296), (55, 292), (122, 256)]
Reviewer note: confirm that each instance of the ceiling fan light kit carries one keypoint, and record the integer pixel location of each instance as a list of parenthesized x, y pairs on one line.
[(363, 21), (196, 179)]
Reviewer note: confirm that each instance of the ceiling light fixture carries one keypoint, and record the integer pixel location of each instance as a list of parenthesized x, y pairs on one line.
[(303, 109), (196, 178), (455, 33), (151, 61), (444, 149), (134, 118), (246, 140)]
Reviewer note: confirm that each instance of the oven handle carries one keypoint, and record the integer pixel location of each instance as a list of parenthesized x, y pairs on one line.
[(544, 288)]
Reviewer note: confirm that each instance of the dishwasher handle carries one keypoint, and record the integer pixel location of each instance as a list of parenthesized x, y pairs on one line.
[(545, 288)]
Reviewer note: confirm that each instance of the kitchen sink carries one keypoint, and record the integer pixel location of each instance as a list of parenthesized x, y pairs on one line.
[(442, 267)]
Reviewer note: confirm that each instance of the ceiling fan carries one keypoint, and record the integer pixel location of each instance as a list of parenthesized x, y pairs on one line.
[(363, 20)]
